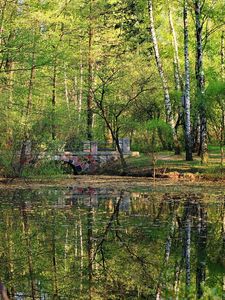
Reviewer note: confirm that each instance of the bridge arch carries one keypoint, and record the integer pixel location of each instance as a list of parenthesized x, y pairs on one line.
[(79, 163)]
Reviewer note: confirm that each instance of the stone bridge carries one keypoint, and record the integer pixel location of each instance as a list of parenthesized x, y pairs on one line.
[(91, 158), (84, 161)]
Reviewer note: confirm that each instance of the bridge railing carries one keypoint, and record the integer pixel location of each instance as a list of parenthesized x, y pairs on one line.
[(94, 147)]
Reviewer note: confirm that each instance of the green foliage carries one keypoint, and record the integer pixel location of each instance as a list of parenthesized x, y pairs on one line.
[(216, 91), (157, 136), (6, 164), (52, 40), (159, 124), (44, 168), (212, 293)]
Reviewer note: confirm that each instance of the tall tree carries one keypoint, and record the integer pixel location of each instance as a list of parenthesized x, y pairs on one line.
[(221, 103), (201, 79), (168, 106), (222, 55), (176, 63), (26, 116), (187, 104), (90, 95)]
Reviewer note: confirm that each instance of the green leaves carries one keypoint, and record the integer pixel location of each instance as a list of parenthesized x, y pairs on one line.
[(158, 124), (52, 38)]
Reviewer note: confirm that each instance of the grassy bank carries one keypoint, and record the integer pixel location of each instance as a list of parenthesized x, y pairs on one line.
[(167, 162)]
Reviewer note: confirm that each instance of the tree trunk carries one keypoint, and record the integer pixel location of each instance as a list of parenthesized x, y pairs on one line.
[(9, 105), (222, 132), (168, 245), (168, 106), (196, 134), (54, 260), (66, 93), (177, 75), (201, 249), (90, 247), (80, 98), (66, 246), (2, 19), (122, 159), (178, 264), (115, 137), (222, 104), (81, 250), (54, 100), (23, 158), (187, 248), (201, 82), (90, 95), (187, 104), (29, 252), (9, 251), (222, 55)]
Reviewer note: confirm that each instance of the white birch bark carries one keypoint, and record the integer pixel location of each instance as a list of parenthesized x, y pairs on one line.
[(177, 75), (80, 98), (168, 106), (187, 103), (66, 93), (166, 256), (188, 252), (201, 81)]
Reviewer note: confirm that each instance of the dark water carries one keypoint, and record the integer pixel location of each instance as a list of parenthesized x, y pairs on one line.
[(105, 244)]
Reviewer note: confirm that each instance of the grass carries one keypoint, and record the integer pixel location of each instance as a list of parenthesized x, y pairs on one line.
[(214, 149), (138, 162), (170, 163)]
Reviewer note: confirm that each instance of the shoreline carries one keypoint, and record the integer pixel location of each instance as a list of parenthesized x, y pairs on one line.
[(107, 181)]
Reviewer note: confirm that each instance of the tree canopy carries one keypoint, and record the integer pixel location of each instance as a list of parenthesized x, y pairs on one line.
[(93, 69)]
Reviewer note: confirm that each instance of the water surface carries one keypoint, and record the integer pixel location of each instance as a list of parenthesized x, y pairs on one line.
[(76, 243)]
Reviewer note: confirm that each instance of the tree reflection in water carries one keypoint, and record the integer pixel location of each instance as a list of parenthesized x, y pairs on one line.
[(100, 244)]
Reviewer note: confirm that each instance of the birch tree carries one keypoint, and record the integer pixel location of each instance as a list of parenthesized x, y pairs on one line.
[(187, 106), (176, 63), (200, 78), (169, 114)]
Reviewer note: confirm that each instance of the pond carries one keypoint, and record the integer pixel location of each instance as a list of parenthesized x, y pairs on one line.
[(87, 243)]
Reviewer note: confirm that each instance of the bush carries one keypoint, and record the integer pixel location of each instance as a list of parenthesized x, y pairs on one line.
[(155, 134), (44, 168)]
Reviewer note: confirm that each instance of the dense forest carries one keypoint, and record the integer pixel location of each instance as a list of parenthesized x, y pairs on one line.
[(75, 70)]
